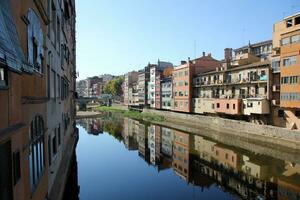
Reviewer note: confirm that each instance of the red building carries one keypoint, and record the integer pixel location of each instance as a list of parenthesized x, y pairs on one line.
[(182, 80)]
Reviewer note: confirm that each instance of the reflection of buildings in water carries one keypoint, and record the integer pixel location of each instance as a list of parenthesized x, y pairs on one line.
[(131, 128), (233, 181), (91, 125), (144, 151), (289, 182), (167, 138), (256, 167), (180, 161), (151, 143), (226, 157), (211, 151), (204, 148)]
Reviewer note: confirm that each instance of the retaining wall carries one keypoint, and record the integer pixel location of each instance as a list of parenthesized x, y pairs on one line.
[(263, 133)]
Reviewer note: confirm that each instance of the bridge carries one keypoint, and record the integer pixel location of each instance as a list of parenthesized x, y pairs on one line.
[(104, 99)]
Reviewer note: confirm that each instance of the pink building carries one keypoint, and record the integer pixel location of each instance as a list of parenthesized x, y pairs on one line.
[(228, 106)]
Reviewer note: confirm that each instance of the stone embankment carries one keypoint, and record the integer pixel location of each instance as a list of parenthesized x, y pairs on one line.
[(270, 135)]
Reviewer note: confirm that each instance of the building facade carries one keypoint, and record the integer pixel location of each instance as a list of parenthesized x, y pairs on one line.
[(154, 87), (143, 79), (130, 78), (182, 80), (36, 76), (285, 64)]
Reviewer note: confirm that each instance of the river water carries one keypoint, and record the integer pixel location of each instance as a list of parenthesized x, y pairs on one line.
[(121, 158)]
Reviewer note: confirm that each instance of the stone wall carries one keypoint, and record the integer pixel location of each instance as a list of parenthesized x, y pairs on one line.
[(263, 133)]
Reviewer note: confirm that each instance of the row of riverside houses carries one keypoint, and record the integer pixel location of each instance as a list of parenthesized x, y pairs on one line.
[(93, 86), (259, 82), (37, 93)]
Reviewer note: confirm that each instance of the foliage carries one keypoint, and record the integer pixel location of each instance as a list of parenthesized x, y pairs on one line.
[(114, 86)]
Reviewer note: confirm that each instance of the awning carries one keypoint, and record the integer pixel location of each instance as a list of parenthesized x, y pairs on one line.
[(10, 50)]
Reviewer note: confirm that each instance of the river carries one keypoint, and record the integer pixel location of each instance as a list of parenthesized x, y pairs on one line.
[(121, 158)]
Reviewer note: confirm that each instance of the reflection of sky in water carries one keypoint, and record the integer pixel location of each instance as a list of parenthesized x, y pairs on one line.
[(107, 170)]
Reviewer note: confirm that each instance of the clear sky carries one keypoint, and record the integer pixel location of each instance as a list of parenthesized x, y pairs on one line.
[(117, 36)]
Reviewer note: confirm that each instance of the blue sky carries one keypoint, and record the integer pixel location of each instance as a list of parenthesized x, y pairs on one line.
[(117, 36)]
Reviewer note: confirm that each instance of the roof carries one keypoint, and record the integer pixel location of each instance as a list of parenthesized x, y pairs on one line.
[(10, 48), (254, 45), (294, 15), (252, 65)]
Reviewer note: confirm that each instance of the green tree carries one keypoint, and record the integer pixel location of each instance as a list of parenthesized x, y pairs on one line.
[(114, 87)]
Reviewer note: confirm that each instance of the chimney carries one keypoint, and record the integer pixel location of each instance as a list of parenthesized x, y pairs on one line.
[(209, 55), (203, 53), (228, 54)]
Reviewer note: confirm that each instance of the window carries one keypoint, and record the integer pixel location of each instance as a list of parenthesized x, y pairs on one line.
[(16, 167), (276, 65), (285, 41), (280, 113), (227, 106), (295, 38), (213, 106), (289, 61), (293, 79), (3, 77), (218, 105), (186, 104), (58, 135), (289, 23), (250, 105), (297, 20), (36, 151), (284, 80), (234, 106)]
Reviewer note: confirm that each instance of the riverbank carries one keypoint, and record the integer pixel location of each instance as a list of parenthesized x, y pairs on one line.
[(142, 116), (86, 114), (272, 136)]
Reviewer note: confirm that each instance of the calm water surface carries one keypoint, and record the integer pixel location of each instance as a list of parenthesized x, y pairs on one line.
[(121, 158)]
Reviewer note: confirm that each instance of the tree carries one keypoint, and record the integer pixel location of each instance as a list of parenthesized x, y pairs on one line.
[(114, 87)]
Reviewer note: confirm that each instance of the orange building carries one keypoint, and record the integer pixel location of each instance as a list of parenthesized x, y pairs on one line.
[(182, 80), (181, 150), (23, 100), (286, 43)]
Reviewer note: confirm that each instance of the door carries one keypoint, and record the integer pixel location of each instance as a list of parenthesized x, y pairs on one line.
[(5, 172)]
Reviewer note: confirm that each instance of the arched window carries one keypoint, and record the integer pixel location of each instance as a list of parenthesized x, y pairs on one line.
[(36, 151)]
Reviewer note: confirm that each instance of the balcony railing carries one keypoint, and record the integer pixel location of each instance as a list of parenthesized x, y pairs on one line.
[(258, 78)]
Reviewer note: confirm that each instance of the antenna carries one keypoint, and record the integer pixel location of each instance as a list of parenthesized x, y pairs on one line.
[(195, 48)]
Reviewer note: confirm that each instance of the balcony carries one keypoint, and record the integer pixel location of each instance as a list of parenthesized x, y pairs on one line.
[(256, 106)]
